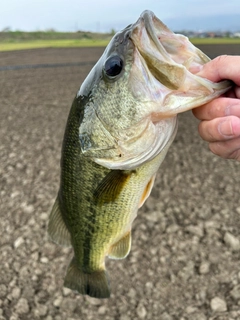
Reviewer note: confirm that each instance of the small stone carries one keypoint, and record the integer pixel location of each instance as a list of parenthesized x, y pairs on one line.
[(218, 305), (187, 271), (199, 316), (35, 256), (190, 309), (102, 310), (38, 271), (28, 209), (14, 194), (172, 228), (232, 241), (12, 155), (44, 260), (32, 222), (41, 310), (22, 306), (3, 290), (238, 210), (93, 301), (34, 278), (124, 317), (66, 292), (141, 311), (18, 242), (57, 302), (132, 293), (166, 316), (201, 295), (149, 285), (196, 230), (44, 216), (235, 292), (16, 293), (69, 305), (204, 267)]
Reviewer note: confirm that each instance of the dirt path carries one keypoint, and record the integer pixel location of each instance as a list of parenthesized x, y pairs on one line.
[(184, 262)]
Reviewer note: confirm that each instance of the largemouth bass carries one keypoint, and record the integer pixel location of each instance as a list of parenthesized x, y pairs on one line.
[(121, 124)]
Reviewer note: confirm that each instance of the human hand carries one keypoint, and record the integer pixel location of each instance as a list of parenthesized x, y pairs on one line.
[(220, 118)]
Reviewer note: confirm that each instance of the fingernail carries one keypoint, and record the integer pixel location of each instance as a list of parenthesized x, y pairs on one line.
[(225, 128), (233, 110)]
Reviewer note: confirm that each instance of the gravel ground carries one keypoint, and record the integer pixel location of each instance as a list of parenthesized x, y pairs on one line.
[(184, 262)]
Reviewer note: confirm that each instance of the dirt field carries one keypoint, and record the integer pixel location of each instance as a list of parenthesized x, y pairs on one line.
[(184, 262)]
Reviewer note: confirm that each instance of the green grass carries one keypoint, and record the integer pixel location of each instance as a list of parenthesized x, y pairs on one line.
[(215, 40), (66, 43), (19, 40)]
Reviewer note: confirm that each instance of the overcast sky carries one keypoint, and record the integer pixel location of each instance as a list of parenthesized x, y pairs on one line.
[(104, 15)]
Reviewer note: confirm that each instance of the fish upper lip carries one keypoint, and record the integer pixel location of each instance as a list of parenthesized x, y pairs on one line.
[(146, 19)]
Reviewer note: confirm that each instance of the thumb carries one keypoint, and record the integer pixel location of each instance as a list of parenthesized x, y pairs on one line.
[(222, 68)]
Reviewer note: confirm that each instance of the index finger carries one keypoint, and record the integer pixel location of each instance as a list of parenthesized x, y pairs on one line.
[(222, 68), (219, 107)]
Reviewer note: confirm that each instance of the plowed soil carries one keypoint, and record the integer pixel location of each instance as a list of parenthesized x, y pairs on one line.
[(184, 261)]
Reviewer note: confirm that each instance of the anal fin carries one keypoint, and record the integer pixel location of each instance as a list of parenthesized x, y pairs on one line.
[(122, 248), (57, 228)]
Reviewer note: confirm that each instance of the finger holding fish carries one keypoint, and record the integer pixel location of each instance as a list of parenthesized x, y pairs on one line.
[(219, 107), (228, 149), (220, 129), (220, 118), (216, 70)]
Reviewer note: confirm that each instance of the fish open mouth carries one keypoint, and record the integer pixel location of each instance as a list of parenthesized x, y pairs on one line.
[(162, 81), (171, 59)]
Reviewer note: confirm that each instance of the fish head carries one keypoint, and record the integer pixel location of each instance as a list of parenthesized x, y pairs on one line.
[(133, 94)]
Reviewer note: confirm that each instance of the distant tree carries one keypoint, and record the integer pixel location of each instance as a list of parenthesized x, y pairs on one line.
[(113, 31), (7, 29), (50, 30)]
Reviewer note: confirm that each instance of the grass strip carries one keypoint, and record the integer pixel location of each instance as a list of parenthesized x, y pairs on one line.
[(69, 43)]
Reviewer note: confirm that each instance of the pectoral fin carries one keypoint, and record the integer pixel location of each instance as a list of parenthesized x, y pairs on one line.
[(147, 191), (57, 228), (122, 248), (110, 187)]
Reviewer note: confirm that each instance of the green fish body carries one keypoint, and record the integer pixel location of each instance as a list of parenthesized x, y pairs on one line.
[(121, 124), (95, 209)]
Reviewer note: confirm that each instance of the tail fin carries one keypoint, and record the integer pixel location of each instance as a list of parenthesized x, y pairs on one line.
[(94, 284)]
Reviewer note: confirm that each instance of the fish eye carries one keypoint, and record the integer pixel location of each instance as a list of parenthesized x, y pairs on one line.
[(113, 66)]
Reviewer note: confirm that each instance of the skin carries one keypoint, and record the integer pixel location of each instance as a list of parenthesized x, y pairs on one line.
[(220, 118)]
